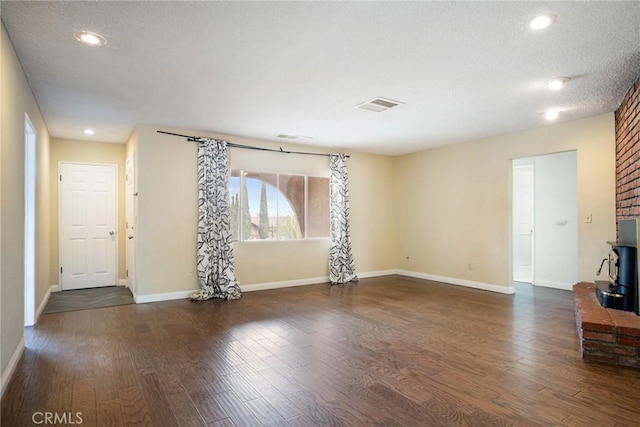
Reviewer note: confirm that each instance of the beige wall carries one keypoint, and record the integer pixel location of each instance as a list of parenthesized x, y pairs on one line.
[(167, 203), (167, 213), (372, 188), (65, 150), (18, 100), (454, 201)]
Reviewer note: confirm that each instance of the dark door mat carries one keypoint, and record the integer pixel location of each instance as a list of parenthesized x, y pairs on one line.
[(82, 299)]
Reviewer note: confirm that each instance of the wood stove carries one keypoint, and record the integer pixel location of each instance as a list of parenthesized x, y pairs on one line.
[(621, 290)]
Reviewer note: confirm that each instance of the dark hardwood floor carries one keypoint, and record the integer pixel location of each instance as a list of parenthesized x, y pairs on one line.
[(389, 351)]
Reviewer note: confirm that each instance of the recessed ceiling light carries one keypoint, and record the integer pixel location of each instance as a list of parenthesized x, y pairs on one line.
[(88, 131), (557, 83), (92, 39), (542, 21), (551, 115)]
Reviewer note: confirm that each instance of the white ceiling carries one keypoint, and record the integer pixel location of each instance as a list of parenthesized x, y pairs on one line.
[(464, 70)]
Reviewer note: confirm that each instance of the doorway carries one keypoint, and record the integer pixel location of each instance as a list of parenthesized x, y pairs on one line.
[(523, 211), (545, 204), (30, 174), (87, 225)]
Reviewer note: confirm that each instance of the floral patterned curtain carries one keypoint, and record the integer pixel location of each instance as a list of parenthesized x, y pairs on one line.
[(216, 271), (341, 265)]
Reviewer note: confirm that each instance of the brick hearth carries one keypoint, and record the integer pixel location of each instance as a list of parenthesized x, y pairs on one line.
[(606, 335)]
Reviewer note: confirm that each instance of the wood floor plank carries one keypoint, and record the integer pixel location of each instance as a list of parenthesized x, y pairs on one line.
[(264, 412), (208, 406), (109, 413), (241, 386), (105, 383), (184, 411), (276, 399), (156, 400), (83, 400), (234, 406), (133, 406), (124, 372), (279, 382), (387, 351), (12, 403), (222, 423), (59, 393), (314, 410), (300, 421)]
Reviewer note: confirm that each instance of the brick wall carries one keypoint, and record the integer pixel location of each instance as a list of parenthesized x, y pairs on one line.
[(627, 119)]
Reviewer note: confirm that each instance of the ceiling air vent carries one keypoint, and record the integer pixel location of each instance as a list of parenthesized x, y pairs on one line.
[(379, 105)]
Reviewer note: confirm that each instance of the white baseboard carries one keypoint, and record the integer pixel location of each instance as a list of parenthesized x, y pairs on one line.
[(552, 284), (376, 273), (309, 281), (11, 367), (142, 299), (122, 282), (45, 300), (283, 284), (168, 296), (55, 288), (459, 282)]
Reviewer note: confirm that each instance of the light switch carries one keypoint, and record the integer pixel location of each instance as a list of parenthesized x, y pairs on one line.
[(589, 218)]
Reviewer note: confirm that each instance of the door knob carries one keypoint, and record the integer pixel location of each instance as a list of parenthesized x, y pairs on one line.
[(129, 237), (111, 233)]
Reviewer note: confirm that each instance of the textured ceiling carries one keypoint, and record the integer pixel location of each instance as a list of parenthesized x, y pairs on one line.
[(464, 70)]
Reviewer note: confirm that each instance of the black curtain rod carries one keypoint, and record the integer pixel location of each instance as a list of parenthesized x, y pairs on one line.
[(246, 147)]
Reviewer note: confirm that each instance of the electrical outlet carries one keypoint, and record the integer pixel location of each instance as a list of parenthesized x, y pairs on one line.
[(589, 218)]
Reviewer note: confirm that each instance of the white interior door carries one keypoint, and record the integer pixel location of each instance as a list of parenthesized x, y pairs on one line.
[(130, 225), (88, 228), (523, 223)]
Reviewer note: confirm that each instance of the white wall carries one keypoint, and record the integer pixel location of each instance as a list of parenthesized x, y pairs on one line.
[(555, 219)]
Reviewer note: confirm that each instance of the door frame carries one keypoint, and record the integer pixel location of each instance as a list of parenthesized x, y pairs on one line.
[(533, 219), (30, 215), (542, 178), (117, 206), (130, 208)]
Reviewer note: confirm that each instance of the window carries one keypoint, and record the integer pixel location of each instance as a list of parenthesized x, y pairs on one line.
[(272, 206)]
